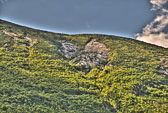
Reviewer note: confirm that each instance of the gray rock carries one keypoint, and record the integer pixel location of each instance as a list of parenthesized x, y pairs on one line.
[(69, 49), (164, 66), (93, 54)]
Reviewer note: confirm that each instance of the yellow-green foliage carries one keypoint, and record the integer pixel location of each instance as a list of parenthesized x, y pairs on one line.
[(39, 78)]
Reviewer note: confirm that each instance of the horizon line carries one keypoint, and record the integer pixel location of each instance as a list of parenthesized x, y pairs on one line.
[(61, 32)]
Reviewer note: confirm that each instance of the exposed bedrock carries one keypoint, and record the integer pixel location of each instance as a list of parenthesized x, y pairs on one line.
[(94, 53)]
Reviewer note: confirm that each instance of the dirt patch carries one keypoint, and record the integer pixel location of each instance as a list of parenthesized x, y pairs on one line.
[(10, 34), (16, 38), (31, 42)]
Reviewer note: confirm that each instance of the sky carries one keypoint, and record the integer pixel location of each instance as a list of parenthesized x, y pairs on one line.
[(116, 17), (139, 19), (156, 32)]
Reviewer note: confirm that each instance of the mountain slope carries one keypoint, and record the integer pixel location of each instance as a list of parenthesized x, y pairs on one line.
[(48, 72)]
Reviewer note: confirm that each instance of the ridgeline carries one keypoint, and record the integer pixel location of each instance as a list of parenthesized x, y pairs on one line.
[(87, 73)]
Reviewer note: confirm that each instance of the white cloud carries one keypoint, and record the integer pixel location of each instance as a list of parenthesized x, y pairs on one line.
[(160, 39), (161, 21), (158, 3), (154, 32)]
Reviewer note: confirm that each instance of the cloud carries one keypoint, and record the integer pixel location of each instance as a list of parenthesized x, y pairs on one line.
[(157, 4), (156, 32), (160, 39), (3, 1)]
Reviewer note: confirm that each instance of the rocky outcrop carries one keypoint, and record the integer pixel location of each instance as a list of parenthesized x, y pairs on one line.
[(164, 66), (93, 53), (164, 62), (95, 47), (69, 49), (87, 59)]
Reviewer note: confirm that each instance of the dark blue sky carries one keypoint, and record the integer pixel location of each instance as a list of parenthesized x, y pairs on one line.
[(116, 17)]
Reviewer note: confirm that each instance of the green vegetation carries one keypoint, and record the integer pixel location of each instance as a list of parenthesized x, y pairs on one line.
[(36, 77)]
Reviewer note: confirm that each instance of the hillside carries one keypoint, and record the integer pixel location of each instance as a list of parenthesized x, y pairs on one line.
[(89, 73)]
